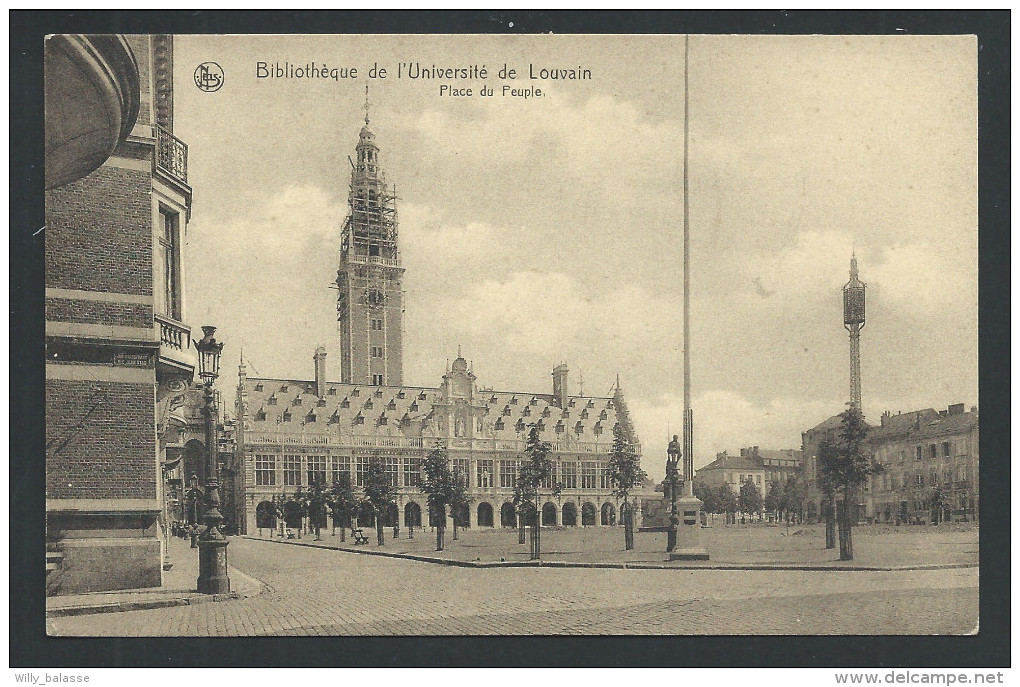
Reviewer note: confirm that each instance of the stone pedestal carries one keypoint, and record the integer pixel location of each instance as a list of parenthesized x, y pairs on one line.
[(688, 534), (212, 566)]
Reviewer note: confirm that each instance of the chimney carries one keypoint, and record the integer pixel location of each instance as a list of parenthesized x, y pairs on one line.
[(559, 375), (320, 371), (885, 416), (956, 409)]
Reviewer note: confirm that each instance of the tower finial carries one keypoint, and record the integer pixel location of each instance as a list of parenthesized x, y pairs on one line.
[(366, 103)]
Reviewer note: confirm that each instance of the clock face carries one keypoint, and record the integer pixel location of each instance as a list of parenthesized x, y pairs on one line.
[(375, 298)]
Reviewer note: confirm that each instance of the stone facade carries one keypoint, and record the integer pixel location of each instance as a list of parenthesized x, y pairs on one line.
[(117, 351), (288, 434)]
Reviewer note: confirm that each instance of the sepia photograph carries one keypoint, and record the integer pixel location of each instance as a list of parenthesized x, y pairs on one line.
[(432, 335)]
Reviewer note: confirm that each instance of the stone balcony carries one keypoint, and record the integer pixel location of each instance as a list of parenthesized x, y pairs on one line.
[(175, 349)]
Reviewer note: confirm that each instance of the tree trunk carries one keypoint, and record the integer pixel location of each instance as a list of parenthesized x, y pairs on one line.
[(318, 532), (830, 524), (379, 531), (846, 538), (454, 528), (343, 532), (628, 526), (439, 538), (520, 528)]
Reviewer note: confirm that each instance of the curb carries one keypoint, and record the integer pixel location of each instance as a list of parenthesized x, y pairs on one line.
[(189, 598), (621, 566)]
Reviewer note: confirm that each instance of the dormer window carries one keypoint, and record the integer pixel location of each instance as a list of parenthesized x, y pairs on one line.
[(579, 428), (392, 405), (382, 419), (271, 400), (603, 415), (559, 427), (405, 421), (493, 399), (414, 407), (334, 418), (520, 425), (356, 392), (297, 401), (260, 386), (571, 404), (540, 426), (499, 424), (378, 393), (359, 419), (546, 412), (610, 404), (311, 418), (513, 400), (597, 429), (506, 411), (591, 403), (286, 416), (401, 394), (422, 396), (369, 405), (345, 403), (260, 416), (283, 389), (533, 401), (584, 414), (331, 391), (321, 403), (527, 412)]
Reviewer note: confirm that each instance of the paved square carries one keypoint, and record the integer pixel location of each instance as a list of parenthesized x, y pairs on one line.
[(324, 592)]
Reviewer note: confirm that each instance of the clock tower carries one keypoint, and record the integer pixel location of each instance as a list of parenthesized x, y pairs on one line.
[(370, 303)]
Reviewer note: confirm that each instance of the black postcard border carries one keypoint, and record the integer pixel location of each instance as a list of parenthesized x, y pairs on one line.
[(29, 645)]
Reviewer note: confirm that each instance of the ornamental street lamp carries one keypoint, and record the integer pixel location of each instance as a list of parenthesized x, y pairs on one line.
[(212, 545)]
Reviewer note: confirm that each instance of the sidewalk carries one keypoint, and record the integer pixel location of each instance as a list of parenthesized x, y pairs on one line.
[(179, 589)]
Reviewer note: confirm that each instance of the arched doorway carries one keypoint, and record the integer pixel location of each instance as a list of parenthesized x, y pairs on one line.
[(549, 514), (463, 516), (366, 517), (507, 515), (588, 515), (569, 514), (194, 461), (265, 516), (292, 512), (412, 515), (484, 514), (608, 515), (392, 515)]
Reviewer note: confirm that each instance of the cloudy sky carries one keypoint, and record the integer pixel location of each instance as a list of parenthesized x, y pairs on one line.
[(542, 230)]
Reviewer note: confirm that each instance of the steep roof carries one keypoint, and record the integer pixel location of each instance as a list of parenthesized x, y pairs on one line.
[(279, 404)]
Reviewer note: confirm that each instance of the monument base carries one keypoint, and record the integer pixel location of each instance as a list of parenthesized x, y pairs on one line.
[(688, 532)]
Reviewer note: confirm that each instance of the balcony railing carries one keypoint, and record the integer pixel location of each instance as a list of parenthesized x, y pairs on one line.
[(173, 335), (171, 155)]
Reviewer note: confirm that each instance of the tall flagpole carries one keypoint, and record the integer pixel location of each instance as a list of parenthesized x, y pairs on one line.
[(688, 428)]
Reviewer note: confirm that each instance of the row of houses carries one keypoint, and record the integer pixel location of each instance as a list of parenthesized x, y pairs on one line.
[(929, 467)]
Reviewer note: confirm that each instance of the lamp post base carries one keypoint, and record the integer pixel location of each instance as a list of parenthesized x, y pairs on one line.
[(212, 567)]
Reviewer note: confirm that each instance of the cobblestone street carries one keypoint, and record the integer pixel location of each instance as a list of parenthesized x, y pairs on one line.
[(322, 592)]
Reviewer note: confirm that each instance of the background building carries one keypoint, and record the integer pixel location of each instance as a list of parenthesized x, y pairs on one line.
[(733, 471), (118, 355), (925, 454)]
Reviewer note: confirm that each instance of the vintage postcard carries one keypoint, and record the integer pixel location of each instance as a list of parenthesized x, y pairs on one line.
[(391, 335)]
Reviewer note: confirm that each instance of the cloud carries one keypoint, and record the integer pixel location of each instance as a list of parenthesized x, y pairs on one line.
[(724, 420)]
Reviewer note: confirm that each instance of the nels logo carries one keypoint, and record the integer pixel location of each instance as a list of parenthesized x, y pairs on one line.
[(209, 77)]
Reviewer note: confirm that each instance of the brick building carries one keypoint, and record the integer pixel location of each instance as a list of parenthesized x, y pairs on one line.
[(290, 433), (733, 471), (118, 353)]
